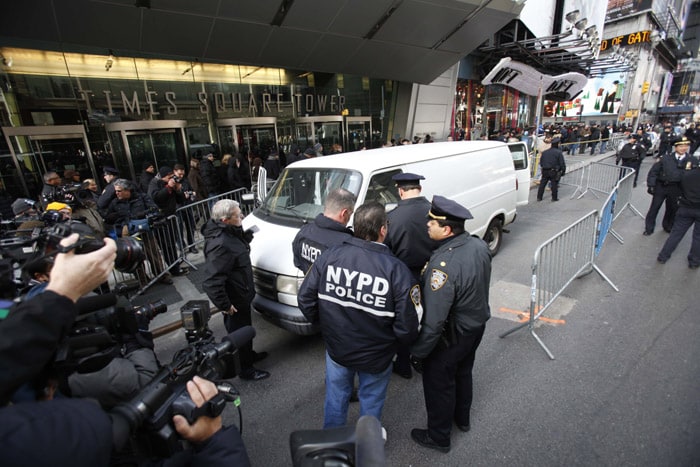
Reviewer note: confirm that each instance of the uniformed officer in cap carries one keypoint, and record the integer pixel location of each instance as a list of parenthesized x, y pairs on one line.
[(456, 303), (408, 240), (632, 154)]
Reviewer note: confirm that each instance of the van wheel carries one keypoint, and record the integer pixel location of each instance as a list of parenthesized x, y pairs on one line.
[(494, 236)]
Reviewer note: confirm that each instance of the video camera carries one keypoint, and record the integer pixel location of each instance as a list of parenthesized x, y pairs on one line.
[(146, 420)]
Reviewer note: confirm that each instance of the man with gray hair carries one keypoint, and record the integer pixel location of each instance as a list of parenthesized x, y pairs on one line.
[(366, 302), (228, 278), (327, 229)]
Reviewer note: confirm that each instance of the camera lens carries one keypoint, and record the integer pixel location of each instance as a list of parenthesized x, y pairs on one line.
[(130, 255), (151, 310)]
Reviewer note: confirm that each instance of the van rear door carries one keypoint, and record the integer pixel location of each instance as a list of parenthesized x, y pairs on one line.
[(521, 162)]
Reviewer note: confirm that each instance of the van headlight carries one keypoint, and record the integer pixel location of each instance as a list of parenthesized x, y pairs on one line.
[(288, 284)]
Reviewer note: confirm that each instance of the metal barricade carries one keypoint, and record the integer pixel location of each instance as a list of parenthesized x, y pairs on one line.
[(556, 263), (624, 201), (600, 177)]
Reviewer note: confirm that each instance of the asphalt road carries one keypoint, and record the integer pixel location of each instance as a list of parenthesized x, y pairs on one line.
[(623, 390)]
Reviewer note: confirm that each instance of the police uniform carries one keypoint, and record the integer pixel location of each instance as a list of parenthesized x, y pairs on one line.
[(456, 301), (688, 214), (366, 302), (407, 236), (663, 183), (314, 238), (553, 167), (632, 154)]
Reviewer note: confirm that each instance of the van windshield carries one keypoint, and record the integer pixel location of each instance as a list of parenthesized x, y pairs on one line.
[(299, 193)]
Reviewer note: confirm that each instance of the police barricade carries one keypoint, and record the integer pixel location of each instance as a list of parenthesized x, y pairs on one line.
[(192, 216), (615, 140), (600, 177), (556, 263), (624, 200), (160, 240)]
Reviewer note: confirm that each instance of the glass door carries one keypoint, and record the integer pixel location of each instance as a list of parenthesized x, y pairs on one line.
[(160, 142), (38, 149), (358, 131), (257, 135), (327, 130)]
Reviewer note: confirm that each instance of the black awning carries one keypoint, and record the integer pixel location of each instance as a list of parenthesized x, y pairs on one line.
[(676, 109)]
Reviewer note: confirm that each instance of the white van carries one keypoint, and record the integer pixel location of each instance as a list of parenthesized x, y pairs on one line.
[(489, 178)]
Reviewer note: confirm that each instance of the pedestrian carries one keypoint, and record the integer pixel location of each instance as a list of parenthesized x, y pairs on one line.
[(145, 177), (553, 167), (210, 175), (366, 302), (594, 138), (188, 223), (604, 137), (166, 192), (663, 183), (408, 239), (228, 280), (328, 229), (688, 214), (631, 155), (456, 299), (196, 182)]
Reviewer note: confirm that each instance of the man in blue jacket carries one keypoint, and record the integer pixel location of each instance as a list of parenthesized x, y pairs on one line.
[(366, 302)]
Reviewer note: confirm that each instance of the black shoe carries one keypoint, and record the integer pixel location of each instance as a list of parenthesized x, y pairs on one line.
[(662, 261), (258, 356), (353, 395), (193, 250), (423, 438), (407, 373), (667, 230), (463, 428), (647, 233), (693, 266), (555, 199), (634, 185), (539, 199), (253, 374)]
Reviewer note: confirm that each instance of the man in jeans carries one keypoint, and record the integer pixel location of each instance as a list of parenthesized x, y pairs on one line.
[(366, 302)]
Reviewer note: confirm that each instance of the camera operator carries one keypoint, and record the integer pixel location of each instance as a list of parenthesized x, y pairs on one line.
[(128, 206), (190, 197), (70, 431), (166, 191), (51, 190)]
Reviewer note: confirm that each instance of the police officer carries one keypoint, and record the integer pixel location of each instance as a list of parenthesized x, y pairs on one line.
[(408, 239), (687, 215), (663, 183), (631, 155), (666, 140), (327, 229), (553, 167), (456, 300)]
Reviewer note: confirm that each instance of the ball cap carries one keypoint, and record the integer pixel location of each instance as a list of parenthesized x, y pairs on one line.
[(22, 205), (407, 179), (442, 208), (683, 141), (55, 206)]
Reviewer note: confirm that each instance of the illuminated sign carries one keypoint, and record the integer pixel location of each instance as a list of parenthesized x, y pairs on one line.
[(625, 40)]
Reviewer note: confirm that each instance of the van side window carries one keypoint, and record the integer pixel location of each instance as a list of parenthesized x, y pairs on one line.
[(519, 154), (382, 188)]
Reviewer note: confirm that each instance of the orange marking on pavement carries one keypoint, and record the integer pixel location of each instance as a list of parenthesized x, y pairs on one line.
[(525, 316)]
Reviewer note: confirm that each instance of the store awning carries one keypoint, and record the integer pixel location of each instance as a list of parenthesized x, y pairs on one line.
[(676, 109)]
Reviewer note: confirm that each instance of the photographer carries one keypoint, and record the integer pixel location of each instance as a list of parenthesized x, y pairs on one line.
[(128, 213), (188, 222), (166, 191), (53, 191)]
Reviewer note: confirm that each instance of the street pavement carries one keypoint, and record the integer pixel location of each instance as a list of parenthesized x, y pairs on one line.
[(623, 390)]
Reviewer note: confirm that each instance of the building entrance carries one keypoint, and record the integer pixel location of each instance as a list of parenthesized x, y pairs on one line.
[(160, 142), (327, 130), (358, 133), (242, 135), (35, 150)]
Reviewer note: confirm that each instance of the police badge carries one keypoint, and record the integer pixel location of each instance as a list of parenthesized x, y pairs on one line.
[(437, 279)]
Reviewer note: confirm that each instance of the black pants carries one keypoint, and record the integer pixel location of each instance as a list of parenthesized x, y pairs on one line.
[(685, 218), (549, 176), (236, 321), (633, 164), (663, 193), (447, 384)]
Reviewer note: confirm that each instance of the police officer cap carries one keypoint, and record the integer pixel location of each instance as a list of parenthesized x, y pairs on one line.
[(403, 179), (110, 171), (684, 141), (442, 208), (632, 136)]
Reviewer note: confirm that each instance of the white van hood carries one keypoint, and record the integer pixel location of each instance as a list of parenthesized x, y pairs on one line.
[(271, 248)]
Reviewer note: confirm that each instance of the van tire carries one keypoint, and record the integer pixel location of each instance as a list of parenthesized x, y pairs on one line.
[(494, 236)]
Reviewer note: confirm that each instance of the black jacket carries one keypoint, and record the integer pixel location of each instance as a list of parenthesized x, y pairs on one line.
[(144, 181), (666, 171), (366, 302), (632, 152), (314, 238), (210, 177), (455, 285), (167, 199), (228, 270), (407, 235), (690, 183), (121, 211), (553, 158)]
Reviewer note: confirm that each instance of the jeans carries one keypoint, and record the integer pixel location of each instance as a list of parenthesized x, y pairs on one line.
[(339, 382)]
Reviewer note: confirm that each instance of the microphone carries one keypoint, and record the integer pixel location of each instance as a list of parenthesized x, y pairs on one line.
[(234, 340), (86, 305)]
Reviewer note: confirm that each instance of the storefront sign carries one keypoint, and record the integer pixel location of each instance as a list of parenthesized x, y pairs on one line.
[(625, 40), (220, 102), (526, 79)]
